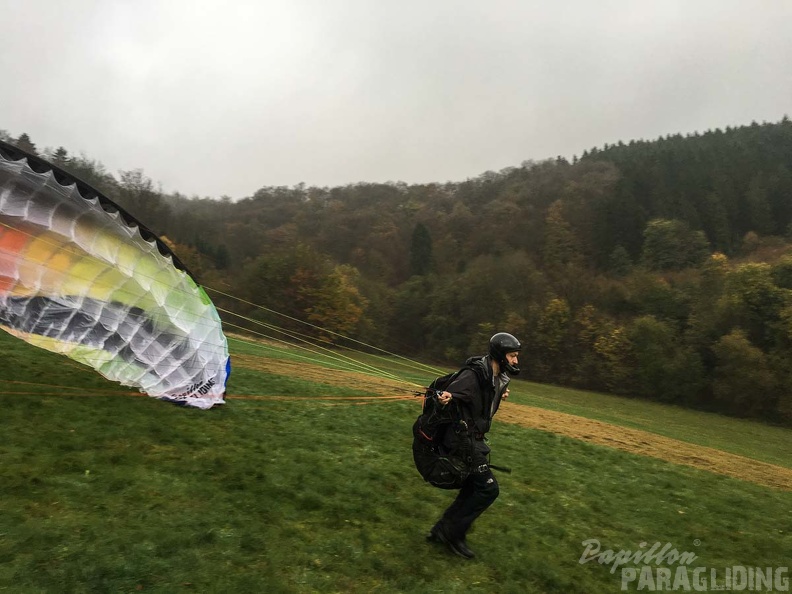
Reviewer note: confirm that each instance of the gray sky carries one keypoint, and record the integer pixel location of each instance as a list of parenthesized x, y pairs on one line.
[(213, 98)]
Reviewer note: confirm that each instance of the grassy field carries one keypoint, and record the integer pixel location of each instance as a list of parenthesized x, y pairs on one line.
[(101, 491)]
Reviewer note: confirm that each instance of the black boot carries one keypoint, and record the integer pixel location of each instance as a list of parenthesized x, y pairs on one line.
[(458, 546)]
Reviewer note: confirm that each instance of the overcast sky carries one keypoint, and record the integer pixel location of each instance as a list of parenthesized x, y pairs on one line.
[(216, 98)]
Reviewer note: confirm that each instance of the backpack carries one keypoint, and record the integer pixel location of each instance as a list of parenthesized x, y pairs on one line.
[(443, 441)]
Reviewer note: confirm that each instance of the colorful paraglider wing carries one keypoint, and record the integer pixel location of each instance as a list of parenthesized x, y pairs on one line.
[(77, 278)]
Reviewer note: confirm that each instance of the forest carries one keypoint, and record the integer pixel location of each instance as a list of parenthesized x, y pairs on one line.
[(657, 269)]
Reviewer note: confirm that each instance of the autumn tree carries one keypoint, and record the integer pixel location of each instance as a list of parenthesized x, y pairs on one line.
[(283, 281), (672, 245), (550, 340), (781, 272), (664, 368), (588, 326), (613, 351), (336, 305), (743, 383), (755, 302), (620, 263)]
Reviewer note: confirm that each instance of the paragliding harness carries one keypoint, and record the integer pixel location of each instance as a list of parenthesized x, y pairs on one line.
[(443, 441)]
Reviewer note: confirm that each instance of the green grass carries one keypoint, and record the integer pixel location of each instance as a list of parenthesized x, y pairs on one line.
[(110, 493)]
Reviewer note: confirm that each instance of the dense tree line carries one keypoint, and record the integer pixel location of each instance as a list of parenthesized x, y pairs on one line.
[(657, 269)]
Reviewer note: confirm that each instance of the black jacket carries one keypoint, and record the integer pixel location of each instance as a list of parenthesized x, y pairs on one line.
[(476, 392)]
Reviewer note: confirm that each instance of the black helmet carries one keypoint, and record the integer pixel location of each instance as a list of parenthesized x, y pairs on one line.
[(499, 345)]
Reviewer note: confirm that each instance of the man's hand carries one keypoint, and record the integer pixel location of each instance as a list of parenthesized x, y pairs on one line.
[(505, 394), (444, 398)]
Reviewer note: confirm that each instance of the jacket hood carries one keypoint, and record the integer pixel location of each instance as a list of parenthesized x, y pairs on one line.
[(482, 366)]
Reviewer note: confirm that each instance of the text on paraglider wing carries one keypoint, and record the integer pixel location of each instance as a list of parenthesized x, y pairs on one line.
[(196, 390)]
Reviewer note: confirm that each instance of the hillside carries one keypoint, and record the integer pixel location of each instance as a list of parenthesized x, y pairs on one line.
[(656, 269)]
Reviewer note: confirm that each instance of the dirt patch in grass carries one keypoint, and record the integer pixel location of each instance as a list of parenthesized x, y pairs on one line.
[(634, 441)]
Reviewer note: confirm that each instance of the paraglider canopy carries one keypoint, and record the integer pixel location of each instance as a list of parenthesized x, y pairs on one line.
[(81, 277)]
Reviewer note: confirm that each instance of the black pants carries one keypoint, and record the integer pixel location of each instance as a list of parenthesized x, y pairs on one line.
[(478, 492)]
